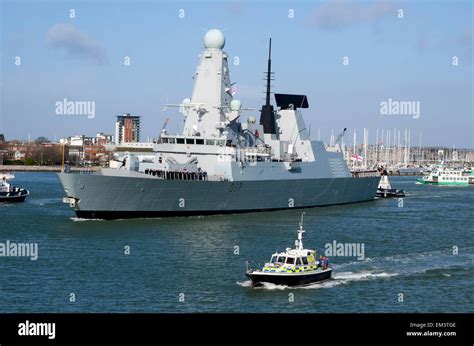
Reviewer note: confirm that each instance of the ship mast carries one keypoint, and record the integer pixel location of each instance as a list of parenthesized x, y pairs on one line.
[(267, 116), (269, 71)]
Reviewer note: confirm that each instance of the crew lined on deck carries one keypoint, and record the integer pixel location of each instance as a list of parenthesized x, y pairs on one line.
[(173, 175)]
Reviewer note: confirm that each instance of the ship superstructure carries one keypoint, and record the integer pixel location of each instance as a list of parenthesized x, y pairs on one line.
[(220, 164)]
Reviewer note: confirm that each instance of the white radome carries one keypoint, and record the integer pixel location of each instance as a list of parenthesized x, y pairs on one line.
[(214, 39), (235, 105)]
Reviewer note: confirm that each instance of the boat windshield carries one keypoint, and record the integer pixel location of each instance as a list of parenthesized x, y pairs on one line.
[(281, 259), (273, 260), (290, 260)]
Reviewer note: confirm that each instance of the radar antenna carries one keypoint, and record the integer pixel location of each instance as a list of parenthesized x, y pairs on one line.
[(267, 115)]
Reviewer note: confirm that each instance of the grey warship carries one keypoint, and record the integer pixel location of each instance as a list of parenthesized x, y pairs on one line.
[(220, 164)]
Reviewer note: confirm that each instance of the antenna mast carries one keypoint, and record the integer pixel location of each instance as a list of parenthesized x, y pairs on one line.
[(267, 116), (269, 71)]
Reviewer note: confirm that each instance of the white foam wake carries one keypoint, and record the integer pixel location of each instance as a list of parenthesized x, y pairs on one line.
[(338, 279), (79, 219)]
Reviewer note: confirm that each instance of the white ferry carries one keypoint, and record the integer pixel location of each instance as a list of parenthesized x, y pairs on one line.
[(441, 175)]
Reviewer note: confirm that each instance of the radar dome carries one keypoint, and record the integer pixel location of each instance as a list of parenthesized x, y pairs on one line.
[(235, 105), (214, 39)]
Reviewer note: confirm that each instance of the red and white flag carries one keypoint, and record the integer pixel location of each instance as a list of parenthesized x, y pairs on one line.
[(233, 89), (355, 157)]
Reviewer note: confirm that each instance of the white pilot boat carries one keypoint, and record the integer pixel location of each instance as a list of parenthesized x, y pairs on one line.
[(293, 267), (9, 193)]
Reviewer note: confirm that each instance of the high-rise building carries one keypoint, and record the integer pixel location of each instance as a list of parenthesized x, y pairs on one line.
[(127, 129)]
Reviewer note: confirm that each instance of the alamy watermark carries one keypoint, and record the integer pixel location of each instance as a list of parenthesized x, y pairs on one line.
[(13, 249), (37, 329), (345, 250), (67, 107), (393, 107)]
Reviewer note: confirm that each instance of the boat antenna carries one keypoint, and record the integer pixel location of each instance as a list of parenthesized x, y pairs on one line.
[(302, 219), (299, 241), (267, 115)]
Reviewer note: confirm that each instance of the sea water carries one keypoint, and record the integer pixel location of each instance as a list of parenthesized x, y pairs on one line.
[(418, 256)]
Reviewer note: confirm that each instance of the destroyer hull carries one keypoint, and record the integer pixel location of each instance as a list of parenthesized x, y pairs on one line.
[(116, 197)]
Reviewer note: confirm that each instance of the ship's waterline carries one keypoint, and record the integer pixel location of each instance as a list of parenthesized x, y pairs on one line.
[(118, 197)]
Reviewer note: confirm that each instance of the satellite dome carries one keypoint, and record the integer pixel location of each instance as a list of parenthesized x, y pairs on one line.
[(235, 105), (214, 39)]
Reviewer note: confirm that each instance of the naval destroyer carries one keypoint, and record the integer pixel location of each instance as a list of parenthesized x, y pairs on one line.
[(220, 164)]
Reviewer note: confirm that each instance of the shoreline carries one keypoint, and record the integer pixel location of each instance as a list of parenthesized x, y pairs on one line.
[(21, 168)]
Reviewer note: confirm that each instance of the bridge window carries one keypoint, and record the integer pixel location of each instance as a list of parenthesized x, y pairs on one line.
[(200, 141), (180, 140), (281, 259), (189, 140)]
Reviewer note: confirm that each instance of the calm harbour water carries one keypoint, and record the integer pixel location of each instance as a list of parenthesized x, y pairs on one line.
[(408, 250)]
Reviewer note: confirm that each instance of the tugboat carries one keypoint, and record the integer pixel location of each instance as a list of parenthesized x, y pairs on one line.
[(9, 193), (384, 189), (293, 267)]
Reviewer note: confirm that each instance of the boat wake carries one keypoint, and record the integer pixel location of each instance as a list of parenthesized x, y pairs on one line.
[(386, 268), (413, 263), (264, 285), (80, 219), (346, 277), (338, 279), (44, 201)]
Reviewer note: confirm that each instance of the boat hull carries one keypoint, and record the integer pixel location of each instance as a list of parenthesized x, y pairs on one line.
[(390, 193), (287, 279), (116, 197), (448, 183), (14, 197)]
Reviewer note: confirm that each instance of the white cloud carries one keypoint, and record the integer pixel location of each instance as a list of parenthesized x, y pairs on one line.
[(339, 14), (75, 43)]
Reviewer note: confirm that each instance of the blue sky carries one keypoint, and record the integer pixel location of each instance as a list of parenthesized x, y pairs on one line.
[(407, 59)]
